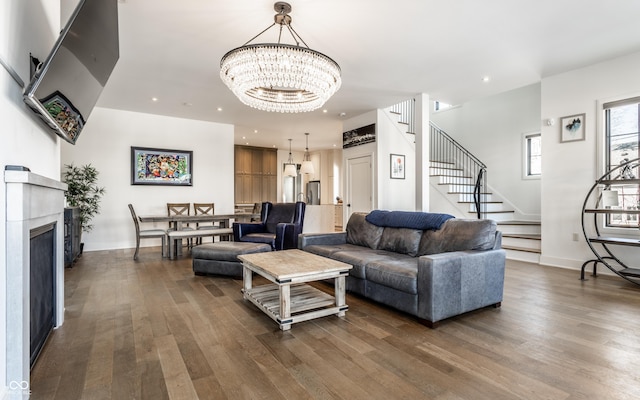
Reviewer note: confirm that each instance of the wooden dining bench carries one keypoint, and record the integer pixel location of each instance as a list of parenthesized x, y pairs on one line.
[(175, 236)]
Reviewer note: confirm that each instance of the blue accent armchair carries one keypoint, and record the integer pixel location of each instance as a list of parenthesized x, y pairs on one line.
[(280, 224)]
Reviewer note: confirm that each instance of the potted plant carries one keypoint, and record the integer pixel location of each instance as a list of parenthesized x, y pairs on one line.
[(83, 192)]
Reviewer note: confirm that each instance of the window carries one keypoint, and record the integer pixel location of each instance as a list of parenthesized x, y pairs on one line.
[(533, 155), (438, 105), (622, 137)]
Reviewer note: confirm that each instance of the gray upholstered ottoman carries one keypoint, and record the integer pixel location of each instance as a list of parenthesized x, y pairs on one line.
[(221, 258)]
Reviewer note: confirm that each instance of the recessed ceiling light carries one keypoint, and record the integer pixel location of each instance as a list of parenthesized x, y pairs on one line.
[(325, 111), (335, 145), (342, 114), (244, 137), (154, 99), (485, 79), (247, 143), (255, 131), (219, 108)]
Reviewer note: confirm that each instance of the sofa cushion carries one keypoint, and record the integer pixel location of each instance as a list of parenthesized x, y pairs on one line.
[(362, 233), (327, 250), (400, 240), (396, 271), (459, 235), (407, 219), (358, 257)]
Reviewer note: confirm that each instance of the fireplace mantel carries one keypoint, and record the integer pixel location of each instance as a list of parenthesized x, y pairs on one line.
[(32, 201)]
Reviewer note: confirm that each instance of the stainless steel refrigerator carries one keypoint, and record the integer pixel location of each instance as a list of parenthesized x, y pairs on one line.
[(313, 192)]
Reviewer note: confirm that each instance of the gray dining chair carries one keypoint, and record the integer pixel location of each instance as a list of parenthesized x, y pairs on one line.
[(203, 209), (147, 234), (180, 209)]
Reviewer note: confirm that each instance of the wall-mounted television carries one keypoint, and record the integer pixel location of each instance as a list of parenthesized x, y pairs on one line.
[(67, 85)]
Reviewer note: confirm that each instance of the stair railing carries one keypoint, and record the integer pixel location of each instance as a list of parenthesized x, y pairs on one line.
[(406, 111), (469, 178)]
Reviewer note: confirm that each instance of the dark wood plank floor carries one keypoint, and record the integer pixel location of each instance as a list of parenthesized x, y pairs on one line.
[(152, 330)]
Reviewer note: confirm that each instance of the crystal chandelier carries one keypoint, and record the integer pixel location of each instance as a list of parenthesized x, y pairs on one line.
[(290, 168), (307, 165), (280, 77)]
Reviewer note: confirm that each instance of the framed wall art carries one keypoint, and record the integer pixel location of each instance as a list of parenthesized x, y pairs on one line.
[(359, 136), (572, 128), (397, 166), (150, 166)]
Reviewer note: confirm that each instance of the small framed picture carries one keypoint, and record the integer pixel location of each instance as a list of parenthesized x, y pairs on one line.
[(572, 128), (397, 166)]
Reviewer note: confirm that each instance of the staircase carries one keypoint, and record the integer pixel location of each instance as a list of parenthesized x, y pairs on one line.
[(460, 180), (521, 239)]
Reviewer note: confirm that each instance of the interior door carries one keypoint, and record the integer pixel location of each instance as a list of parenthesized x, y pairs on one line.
[(359, 185)]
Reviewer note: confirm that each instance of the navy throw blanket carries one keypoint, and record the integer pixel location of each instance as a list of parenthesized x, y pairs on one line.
[(407, 219)]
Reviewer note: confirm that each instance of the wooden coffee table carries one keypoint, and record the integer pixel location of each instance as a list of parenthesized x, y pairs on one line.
[(289, 300)]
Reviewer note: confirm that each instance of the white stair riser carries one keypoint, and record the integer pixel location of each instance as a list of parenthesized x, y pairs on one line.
[(515, 229), (467, 197), (489, 207), (436, 164), (505, 216), (523, 256), (521, 242), (446, 172), (455, 180)]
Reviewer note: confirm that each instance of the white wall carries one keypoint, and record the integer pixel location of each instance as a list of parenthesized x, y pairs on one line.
[(25, 26), (570, 169), (388, 194), (394, 194), (106, 144), (492, 129)]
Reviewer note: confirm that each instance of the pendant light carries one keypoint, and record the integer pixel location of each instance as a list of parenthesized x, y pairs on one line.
[(307, 165), (289, 167), (280, 77)]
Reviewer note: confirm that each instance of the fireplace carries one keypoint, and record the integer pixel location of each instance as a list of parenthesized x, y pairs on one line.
[(42, 252), (34, 208)]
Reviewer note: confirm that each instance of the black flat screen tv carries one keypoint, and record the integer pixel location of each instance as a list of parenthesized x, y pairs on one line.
[(67, 85)]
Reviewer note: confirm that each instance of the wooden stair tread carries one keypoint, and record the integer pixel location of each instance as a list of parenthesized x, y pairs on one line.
[(481, 202), (493, 212), (524, 249), (532, 236), (516, 222)]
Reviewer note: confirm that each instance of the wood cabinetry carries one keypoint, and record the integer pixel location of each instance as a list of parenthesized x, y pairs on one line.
[(255, 174)]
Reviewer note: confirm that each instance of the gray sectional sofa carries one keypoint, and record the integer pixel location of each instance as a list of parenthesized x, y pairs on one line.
[(430, 265)]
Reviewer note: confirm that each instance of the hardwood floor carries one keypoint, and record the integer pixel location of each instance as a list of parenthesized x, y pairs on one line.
[(152, 330)]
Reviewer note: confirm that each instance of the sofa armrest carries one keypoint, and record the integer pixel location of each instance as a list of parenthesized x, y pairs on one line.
[(456, 282), (309, 239), (244, 228)]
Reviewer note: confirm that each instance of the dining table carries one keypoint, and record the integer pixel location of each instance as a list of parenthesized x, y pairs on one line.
[(177, 221)]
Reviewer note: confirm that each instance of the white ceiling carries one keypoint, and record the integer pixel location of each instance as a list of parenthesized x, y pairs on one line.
[(388, 52)]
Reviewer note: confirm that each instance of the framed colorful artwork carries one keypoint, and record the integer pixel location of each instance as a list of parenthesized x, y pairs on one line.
[(150, 166)]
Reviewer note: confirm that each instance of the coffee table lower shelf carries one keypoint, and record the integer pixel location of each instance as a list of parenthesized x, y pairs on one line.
[(305, 302)]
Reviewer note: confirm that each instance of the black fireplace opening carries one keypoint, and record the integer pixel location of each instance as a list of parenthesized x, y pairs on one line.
[(42, 286)]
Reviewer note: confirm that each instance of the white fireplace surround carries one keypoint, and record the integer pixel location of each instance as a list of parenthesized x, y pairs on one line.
[(32, 201)]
